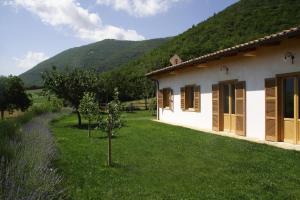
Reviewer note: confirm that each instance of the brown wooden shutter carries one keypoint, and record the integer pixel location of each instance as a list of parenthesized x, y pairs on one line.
[(197, 98), (216, 108), (271, 110), (171, 99), (240, 107), (182, 98), (160, 97)]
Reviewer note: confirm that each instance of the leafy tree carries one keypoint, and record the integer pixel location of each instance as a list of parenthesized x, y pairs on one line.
[(89, 108), (146, 89), (71, 85), (13, 95), (111, 122)]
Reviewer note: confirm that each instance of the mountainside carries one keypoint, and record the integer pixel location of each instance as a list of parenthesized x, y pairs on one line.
[(240, 22), (243, 21), (102, 56)]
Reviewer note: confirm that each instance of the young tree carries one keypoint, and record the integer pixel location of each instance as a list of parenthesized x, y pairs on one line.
[(111, 122), (71, 85), (13, 95), (89, 108)]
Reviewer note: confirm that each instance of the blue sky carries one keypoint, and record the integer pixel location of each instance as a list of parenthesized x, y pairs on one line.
[(34, 30)]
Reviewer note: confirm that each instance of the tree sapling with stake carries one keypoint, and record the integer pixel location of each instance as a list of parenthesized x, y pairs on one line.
[(111, 121)]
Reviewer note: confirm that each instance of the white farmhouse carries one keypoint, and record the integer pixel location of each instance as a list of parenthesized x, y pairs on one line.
[(251, 89)]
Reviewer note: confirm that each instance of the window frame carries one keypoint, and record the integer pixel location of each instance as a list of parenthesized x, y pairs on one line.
[(187, 97), (167, 92)]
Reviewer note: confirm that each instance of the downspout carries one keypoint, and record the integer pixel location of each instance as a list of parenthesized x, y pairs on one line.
[(157, 106)]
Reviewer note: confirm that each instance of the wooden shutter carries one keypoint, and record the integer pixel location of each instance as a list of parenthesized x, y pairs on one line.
[(216, 108), (197, 98), (160, 97), (240, 108), (171, 99), (182, 98), (271, 109)]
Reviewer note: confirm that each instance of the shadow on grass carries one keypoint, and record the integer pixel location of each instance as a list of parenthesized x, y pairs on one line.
[(104, 137), (116, 165), (83, 126)]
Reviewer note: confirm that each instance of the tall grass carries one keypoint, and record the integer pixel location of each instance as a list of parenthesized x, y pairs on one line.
[(26, 157)]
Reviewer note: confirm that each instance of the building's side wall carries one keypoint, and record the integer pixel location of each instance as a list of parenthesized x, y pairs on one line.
[(268, 62)]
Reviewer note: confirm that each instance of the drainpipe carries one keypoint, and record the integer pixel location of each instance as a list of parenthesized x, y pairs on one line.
[(157, 107)]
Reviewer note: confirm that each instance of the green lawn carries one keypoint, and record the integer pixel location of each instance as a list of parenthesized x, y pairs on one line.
[(158, 161)]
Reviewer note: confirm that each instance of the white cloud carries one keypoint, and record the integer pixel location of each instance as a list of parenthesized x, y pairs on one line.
[(30, 60), (140, 8), (69, 13)]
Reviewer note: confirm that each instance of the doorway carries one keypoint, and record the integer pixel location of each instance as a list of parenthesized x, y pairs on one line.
[(229, 107), (228, 102), (290, 109)]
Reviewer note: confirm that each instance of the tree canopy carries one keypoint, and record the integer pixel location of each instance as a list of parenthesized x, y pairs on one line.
[(13, 95), (71, 85)]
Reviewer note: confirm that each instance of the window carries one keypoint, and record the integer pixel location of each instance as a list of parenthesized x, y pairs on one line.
[(229, 98), (232, 99), (189, 97), (288, 92), (167, 93), (226, 98)]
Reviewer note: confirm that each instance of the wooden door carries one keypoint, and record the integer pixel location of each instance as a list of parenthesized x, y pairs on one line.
[(217, 122), (240, 108), (271, 109), (228, 104), (290, 107)]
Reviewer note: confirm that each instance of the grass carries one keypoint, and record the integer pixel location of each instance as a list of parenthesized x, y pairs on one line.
[(158, 161)]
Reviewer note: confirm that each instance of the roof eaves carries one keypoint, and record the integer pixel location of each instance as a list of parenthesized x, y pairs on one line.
[(277, 37)]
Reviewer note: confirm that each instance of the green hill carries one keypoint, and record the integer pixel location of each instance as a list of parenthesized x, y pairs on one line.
[(240, 22), (104, 55)]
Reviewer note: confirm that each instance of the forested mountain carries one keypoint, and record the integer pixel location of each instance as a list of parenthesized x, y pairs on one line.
[(102, 56), (240, 22)]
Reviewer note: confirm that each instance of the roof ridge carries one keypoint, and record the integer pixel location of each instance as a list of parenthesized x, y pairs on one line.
[(250, 44)]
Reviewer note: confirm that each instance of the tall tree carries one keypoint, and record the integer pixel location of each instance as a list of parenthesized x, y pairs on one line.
[(71, 85), (89, 108), (111, 122), (13, 95)]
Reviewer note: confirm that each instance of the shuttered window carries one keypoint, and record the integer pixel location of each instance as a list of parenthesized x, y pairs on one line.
[(168, 98), (160, 98), (190, 98)]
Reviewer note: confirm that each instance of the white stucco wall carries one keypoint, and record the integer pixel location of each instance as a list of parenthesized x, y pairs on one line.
[(268, 62)]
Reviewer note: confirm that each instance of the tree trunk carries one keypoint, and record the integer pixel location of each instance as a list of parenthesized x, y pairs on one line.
[(79, 118), (89, 127), (2, 115), (109, 159), (146, 103)]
